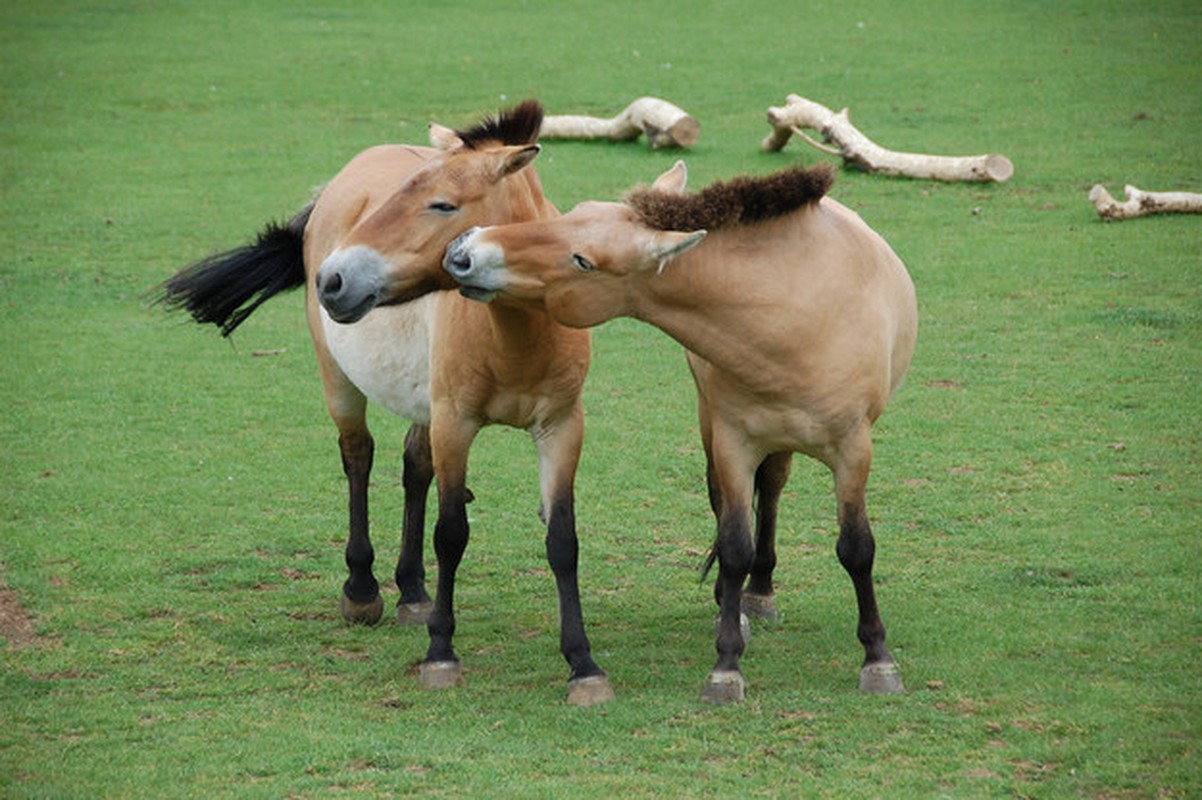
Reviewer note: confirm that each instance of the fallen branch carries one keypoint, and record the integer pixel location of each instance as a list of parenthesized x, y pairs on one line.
[(1140, 203), (858, 150), (664, 124)]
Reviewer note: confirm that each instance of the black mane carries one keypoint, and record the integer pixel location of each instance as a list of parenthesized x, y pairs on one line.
[(517, 125), (738, 201)]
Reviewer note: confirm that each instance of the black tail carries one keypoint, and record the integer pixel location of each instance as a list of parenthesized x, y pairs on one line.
[(226, 288)]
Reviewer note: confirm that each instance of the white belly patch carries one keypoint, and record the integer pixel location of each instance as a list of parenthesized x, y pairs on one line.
[(387, 356)]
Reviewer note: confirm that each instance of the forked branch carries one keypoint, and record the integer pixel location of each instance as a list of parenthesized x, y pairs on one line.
[(858, 150), (1140, 203), (664, 124)]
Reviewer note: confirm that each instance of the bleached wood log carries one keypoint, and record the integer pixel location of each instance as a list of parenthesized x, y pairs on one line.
[(664, 124), (1140, 203), (857, 149)]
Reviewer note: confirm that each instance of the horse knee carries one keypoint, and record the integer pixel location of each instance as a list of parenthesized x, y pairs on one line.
[(417, 462), (856, 547)]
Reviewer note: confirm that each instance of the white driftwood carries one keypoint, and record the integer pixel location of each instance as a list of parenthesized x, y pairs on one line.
[(664, 124), (857, 149), (1140, 203)]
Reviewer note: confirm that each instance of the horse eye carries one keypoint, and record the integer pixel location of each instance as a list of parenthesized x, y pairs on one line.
[(582, 263), (442, 207)]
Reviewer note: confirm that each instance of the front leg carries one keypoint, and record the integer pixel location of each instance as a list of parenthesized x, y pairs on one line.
[(735, 554), (450, 439), (559, 453)]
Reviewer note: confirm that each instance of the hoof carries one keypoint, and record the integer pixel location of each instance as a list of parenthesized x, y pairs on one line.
[(361, 613), (760, 606), (440, 674), (744, 627), (414, 613), (722, 687), (591, 691), (883, 678)]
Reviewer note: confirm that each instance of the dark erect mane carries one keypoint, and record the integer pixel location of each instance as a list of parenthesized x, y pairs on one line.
[(735, 202), (517, 125)]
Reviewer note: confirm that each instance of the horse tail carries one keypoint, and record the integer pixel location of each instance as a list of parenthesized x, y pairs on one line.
[(227, 287), (711, 558)]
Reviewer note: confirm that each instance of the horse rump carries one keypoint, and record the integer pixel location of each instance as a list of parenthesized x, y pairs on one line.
[(225, 288)]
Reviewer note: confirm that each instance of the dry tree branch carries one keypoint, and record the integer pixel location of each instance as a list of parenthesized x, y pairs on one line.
[(664, 124), (857, 149), (1140, 203)]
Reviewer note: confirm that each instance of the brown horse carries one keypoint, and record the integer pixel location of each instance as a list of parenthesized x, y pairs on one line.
[(799, 322), (369, 250)]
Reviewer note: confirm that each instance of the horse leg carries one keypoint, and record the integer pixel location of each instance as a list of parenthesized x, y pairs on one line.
[(450, 441), (360, 602), (715, 498), (413, 607), (759, 597), (559, 454), (735, 553), (856, 549)]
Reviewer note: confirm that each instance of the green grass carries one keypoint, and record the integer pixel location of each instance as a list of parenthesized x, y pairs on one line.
[(173, 508)]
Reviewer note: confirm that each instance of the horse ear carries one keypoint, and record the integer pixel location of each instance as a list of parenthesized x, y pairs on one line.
[(668, 245), (672, 181), (516, 158), (443, 137)]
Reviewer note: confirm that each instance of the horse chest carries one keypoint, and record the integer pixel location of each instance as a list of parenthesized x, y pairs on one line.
[(387, 356)]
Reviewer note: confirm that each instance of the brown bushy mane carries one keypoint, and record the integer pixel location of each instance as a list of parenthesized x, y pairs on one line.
[(734, 202), (517, 125)]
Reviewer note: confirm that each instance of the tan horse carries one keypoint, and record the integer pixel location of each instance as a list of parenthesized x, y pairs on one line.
[(369, 250), (799, 323)]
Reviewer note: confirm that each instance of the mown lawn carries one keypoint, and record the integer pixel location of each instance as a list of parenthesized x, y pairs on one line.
[(172, 506)]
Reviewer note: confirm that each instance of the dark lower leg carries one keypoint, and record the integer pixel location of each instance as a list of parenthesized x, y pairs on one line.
[(856, 549), (562, 554), (416, 476), (357, 452), (770, 481), (735, 554), (450, 542)]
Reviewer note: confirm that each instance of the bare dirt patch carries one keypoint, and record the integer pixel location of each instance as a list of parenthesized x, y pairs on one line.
[(16, 626)]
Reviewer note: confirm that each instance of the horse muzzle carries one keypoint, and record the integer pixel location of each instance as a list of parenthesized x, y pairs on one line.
[(350, 283), (468, 263)]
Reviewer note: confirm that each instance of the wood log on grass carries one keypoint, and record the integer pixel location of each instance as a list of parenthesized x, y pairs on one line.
[(664, 124), (858, 150), (1140, 203)]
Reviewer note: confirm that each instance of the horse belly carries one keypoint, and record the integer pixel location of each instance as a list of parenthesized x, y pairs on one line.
[(387, 356)]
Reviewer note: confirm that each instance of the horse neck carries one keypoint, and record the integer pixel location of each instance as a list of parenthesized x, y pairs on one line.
[(524, 200), (521, 328), (706, 302)]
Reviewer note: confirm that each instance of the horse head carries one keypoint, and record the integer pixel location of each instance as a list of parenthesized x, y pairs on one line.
[(393, 253)]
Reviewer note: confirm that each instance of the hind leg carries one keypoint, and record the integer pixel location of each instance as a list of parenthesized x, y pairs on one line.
[(413, 607), (360, 601), (759, 598), (856, 549)]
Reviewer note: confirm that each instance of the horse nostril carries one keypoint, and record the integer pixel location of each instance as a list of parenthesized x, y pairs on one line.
[(457, 262), (329, 285)]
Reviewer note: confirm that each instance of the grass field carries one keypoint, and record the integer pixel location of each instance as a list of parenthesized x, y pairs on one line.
[(172, 506)]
